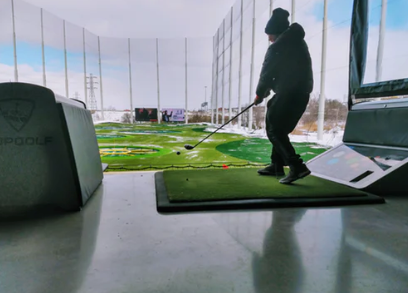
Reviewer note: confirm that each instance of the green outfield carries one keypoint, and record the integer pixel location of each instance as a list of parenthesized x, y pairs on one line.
[(143, 145)]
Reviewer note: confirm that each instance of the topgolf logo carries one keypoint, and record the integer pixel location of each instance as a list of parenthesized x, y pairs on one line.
[(17, 112)]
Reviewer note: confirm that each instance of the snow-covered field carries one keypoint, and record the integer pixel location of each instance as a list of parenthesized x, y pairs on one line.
[(330, 138)]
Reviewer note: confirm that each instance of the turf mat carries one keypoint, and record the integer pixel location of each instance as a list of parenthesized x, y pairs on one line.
[(204, 185), (199, 190)]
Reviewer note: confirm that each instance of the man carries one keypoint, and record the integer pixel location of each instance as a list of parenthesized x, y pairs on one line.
[(287, 70), (166, 117)]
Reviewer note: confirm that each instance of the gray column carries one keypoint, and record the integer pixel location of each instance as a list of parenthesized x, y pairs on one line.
[(292, 19)]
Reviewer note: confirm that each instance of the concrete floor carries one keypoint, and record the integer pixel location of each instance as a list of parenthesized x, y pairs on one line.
[(119, 243)]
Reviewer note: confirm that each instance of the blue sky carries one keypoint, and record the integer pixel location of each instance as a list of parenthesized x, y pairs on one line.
[(31, 54), (340, 10)]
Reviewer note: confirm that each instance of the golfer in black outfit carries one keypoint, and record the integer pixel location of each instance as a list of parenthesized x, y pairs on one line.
[(287, 70)]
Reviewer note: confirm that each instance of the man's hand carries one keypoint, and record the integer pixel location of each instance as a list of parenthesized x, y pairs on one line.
[(258, 101)]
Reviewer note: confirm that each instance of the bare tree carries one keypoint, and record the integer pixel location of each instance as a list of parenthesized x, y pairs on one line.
[(127, 118), (258, 116), (334, 111)]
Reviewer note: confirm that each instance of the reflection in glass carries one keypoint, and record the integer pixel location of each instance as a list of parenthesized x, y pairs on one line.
[(388, 35)]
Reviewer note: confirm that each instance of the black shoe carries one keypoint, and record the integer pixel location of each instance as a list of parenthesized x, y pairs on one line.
[(295, 174), (272, 170)]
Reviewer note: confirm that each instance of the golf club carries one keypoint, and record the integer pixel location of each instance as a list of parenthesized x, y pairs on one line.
[(190, 147)]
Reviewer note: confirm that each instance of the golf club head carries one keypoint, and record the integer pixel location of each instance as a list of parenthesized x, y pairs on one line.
[(188, 147)]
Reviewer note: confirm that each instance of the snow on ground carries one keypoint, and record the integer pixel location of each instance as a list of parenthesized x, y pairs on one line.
[(192, 154), (136, 133), (330, 138), (105, 121), (178, 138)]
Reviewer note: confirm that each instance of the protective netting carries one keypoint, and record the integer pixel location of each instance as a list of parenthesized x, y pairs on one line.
[(144, 72), (30, 16), (75, 60), (54, 53), (113, 76), (249, 44), (6, 43)]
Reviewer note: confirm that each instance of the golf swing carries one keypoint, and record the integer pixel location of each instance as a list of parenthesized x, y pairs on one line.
[(287, 70), (190, 147)]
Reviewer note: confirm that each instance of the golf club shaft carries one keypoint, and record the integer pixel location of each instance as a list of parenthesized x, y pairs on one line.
[(225, 123)]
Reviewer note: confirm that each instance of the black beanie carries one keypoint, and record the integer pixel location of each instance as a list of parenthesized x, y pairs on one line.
[(278, 23)]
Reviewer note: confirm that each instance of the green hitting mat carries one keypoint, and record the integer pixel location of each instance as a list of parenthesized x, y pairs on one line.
[(201, 190)]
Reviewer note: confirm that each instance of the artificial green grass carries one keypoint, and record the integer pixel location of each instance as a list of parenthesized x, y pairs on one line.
[(246, 183), (259, 150), (173, 142), (220, 148)]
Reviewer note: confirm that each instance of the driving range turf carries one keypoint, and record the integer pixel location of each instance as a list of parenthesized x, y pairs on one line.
[(245, 183), (220, 148)]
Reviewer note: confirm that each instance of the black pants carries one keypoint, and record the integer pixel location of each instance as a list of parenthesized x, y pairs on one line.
[(283, 114)]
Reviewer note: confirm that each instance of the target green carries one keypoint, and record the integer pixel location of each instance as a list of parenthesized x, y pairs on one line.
[(124, 152)]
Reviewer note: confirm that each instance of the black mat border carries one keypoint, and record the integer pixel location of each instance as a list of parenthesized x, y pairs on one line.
[(165, 206)]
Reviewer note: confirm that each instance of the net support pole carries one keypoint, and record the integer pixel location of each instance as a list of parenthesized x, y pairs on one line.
[(292, 19), (186, 81), (65, 60), (320, 119), (14, 42), (43, 50), (213, 83), (130, 83), (223, 73), (230, 69), (100, 78), (85, 79), (267, 98), (158, 81), (240, 63), (251, 81), (216, 77), (380, 50)]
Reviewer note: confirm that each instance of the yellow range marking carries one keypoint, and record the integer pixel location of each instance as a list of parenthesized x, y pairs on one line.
[(125, 152)]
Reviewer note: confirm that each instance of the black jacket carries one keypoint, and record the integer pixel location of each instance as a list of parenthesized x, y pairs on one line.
[(287, 67)]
